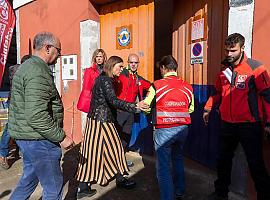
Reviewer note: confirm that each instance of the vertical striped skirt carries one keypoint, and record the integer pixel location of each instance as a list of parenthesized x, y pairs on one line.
[(101, 155)]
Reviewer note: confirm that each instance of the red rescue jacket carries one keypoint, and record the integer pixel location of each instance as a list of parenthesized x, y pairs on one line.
[(173, 98), (129, 85), (242, 92)]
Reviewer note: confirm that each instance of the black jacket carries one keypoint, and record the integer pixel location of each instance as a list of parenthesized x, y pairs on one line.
[(104, 101)]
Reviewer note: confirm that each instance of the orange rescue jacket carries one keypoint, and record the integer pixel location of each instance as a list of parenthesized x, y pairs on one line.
[(242, 92)]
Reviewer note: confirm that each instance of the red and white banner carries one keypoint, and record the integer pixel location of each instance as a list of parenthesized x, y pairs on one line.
[(7, 23)]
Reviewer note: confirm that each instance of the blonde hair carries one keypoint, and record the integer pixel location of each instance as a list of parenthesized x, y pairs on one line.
[(96, 52)]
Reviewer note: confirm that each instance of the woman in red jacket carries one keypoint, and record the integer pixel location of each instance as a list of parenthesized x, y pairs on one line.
[(90, 74)]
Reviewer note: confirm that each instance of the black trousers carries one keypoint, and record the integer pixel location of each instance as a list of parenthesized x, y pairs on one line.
[(249, 135), (124, 124)]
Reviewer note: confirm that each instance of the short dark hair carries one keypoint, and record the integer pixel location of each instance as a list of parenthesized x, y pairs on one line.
[(235, 38), (168, 62), (12, 70), (113, 60)]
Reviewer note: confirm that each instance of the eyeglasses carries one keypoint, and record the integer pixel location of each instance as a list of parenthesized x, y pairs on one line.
[(133, 62), (57, 48)]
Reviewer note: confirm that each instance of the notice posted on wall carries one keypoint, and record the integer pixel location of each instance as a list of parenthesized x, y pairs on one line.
[(197, 29), (196, 55)]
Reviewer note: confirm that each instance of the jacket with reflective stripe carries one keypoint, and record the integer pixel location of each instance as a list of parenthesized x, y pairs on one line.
[(173, 98), (243, 92)]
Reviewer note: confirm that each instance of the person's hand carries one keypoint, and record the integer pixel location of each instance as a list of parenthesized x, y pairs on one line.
[(206, 117), (267, 131), (142, 105), (67, 143)]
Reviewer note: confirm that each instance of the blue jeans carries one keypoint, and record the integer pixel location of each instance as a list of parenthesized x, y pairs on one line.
[(169, 143), (4, 142), (41, 163)]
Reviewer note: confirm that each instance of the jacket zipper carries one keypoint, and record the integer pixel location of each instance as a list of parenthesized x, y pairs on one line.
[(231, 87), (125, 98), (231, 103)]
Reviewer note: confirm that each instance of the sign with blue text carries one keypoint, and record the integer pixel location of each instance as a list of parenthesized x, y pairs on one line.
[(196, 55)]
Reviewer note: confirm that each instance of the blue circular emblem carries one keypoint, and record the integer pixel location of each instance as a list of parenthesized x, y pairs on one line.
[(123, 37)]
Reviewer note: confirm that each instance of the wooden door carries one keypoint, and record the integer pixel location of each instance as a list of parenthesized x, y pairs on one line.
[(138, 14), (202, 142)]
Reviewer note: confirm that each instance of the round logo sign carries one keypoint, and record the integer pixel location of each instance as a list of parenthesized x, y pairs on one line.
[(123, 37)]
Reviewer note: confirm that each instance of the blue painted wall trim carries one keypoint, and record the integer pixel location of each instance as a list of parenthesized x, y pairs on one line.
[(202, 142)]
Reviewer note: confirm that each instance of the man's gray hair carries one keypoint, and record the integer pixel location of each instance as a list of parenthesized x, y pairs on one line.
[(43, 38)]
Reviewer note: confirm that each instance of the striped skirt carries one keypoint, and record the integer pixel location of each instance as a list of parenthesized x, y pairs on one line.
[(101, 155)]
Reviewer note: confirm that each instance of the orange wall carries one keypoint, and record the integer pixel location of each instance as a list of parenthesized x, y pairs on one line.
[(61, 17), (260, 52), (141, 15), (260, 46), (216, 13), (261, 39)]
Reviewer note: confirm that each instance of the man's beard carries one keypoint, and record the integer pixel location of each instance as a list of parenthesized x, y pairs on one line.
[(232, 60)]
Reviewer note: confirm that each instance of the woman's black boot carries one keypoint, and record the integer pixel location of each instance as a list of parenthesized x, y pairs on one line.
[(123, 182), (84, 190)]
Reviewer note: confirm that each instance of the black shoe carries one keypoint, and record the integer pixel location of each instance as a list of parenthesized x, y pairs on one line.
[(125, 183), (84, 190), (215, 196), (86, 193), (179, 197)]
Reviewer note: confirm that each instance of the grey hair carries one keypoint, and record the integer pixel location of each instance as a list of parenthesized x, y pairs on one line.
[(43, 38)]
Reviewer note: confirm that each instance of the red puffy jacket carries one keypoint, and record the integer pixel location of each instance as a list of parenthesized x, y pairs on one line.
[(90, 75)]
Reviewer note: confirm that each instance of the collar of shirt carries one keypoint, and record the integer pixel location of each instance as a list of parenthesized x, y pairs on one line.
[(170, 74), (131, 72)]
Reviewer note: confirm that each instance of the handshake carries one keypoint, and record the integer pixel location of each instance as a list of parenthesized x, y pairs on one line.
[(143, 106), (68, 143)]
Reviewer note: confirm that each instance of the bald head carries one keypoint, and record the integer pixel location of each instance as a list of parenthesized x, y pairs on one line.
[(133, 62)]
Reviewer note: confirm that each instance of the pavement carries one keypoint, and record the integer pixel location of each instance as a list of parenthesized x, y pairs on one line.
[(199, 180)]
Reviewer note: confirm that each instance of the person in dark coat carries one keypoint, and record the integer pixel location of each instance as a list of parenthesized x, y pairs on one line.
[(102, 157)]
